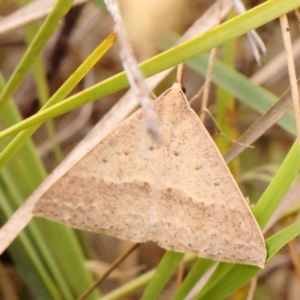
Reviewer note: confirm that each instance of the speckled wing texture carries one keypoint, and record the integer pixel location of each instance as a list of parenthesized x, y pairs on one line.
[(179, 194)]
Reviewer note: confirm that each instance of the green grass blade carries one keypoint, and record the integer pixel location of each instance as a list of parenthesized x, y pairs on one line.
[(26, 258), (279, 186), (50, 25), (233, 28), (241, 274), (10, 115), (18, 191), (10, 185), (40, 78), (137, 283), (71, 262), (130, 287), (64, 246), (65, 89), (166, 268), (280, 239), (199, 269)]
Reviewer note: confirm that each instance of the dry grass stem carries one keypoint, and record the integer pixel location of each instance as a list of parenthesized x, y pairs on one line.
[(261, 126), (179, 76), (275, 69), (208, 77), (112, 267), (285, 30), (180, 274), (252, 289)]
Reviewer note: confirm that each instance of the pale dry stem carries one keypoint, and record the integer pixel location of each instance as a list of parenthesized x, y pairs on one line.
[(180, 274), (179, 76), (256, 43), (208, 77), (134, 74), (252, 289), (116, 263), (261, 125), (292, 73)]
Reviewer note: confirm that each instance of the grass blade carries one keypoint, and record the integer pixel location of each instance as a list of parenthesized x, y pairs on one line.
[(67, 87), (50, 25), (199, 269), (166, 268), (233, 28)]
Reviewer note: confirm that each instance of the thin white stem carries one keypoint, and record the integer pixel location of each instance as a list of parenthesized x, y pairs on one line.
[(134, 74), (252, 289), (256, 43)]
